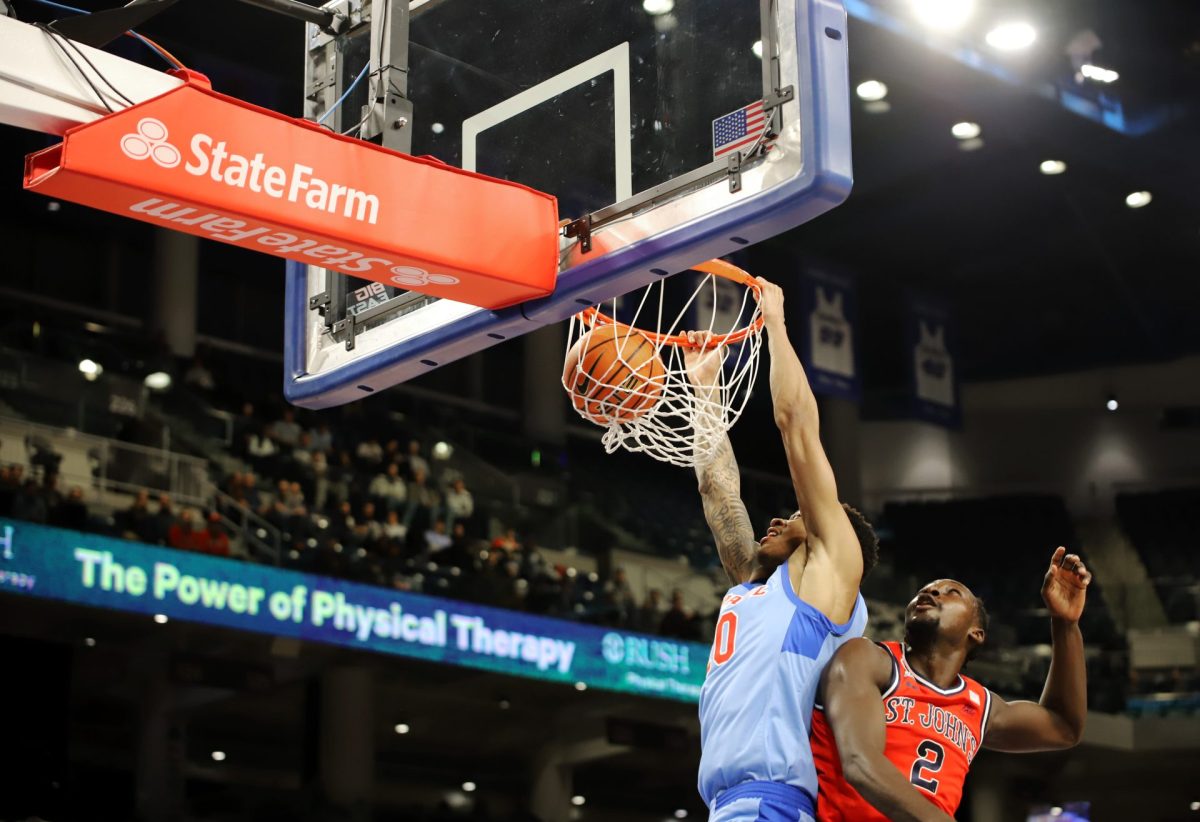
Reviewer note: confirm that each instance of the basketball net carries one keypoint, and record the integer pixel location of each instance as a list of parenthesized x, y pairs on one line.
[(683, 422)]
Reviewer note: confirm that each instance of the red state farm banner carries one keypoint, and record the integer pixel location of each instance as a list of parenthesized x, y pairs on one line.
[(201, 162)]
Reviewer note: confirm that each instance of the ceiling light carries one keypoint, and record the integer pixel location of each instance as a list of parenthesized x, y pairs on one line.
[(1099, 74), (437, 128), (944, 15), (681, 814), (757, 49), (443, 451), (90, 369), (1052, 167), (468, 786), (1138, 199), (1056, 811), (1011, 36), (1112, 404), (966, 130), (1195, 806), (53, 205), (161, 619), (402, 728), (871, 90), (91, 643), (158, 381), (581, 686), (504, 704), (218, 756), (577, 800), (657, 7)]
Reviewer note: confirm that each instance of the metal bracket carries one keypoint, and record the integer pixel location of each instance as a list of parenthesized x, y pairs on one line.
[(319, 302), (581, 228), (779, 96), (735, 172), (345, 327)]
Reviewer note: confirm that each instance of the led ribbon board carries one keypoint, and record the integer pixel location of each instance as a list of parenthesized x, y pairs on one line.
[(197, 161), (85, 569)]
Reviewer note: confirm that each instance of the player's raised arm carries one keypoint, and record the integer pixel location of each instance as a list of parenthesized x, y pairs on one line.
[(1057, 720), (853, 684), (720, 481), (796, 415)]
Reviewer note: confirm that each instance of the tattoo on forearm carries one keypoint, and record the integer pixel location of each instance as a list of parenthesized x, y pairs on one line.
[(720, 491)]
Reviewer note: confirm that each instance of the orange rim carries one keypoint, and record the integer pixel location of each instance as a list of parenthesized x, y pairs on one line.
[(595, 318)]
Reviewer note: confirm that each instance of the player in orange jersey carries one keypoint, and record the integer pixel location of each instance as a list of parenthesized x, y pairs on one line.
[(900, 724)]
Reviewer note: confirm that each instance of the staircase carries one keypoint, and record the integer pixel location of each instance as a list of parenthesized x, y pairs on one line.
[(1124, 581)]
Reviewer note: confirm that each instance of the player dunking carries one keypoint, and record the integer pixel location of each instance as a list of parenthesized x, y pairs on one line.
[(795, 600), (901, 724)]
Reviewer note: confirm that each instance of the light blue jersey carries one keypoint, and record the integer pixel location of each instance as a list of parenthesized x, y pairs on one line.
[(757, 701)]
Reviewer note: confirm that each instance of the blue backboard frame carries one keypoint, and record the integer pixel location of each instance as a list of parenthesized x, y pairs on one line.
[(810, 175)]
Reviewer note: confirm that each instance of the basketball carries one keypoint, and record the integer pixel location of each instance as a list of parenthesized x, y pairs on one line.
[(613, 374)]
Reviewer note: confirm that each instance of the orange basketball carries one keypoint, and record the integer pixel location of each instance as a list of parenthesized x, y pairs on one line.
[(613, 374)]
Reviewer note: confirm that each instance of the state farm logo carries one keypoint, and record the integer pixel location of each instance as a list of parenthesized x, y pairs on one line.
[(150, 141), (412, 277), (252, 172)]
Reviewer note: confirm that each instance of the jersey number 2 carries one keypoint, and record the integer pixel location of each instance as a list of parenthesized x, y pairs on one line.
[(929, 761), (725, 639)]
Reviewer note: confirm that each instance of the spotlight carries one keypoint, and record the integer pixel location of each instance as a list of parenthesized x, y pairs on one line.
[(581, 686), (1056, 811), (402, 728), (1099, 74), (1137, 199), (681, 814), (218, 756), (871, 91), (577, 800), (657, 7), (469, 787), (757, 49), (1052, 167), (1195, 806), (943, 15), (90, 369), (442, 451), (966, 130), (1011, 36), (504, 704), (161, 619), (1112, 404), (91, 643), (437, 128), (53, 205), (158, 381)]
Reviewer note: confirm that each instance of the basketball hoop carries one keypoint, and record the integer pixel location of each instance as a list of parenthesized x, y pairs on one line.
[(630, 375)]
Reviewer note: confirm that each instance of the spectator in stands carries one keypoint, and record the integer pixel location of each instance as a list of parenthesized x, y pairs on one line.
[(459, 554), (159, 525), (320, 475), (302, 454), (199, 377), (216, 541), (436, 538), (341, 522), (321, 438), (422, 503), (134, 521), (677, 621), (286, 431), (368, 530), (260, 449), (341, 477), (390, 488), (393, 528), (507, 541), (369, 453), (10, 486), (183, 534), (243, 425), (30, 504), (70, 512), (648, 618), (619, 599), (460, 505), (416, 462)]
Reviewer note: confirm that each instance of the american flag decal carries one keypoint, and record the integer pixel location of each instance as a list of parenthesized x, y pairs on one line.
[(738, 129)]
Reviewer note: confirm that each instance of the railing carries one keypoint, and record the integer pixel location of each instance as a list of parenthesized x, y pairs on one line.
[(105, 465), (263, 541)]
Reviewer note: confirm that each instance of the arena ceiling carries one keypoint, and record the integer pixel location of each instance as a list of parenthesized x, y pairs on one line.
[(1042, 273)]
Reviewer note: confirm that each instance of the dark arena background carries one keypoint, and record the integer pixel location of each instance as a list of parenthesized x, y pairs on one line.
[(446, 601)]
